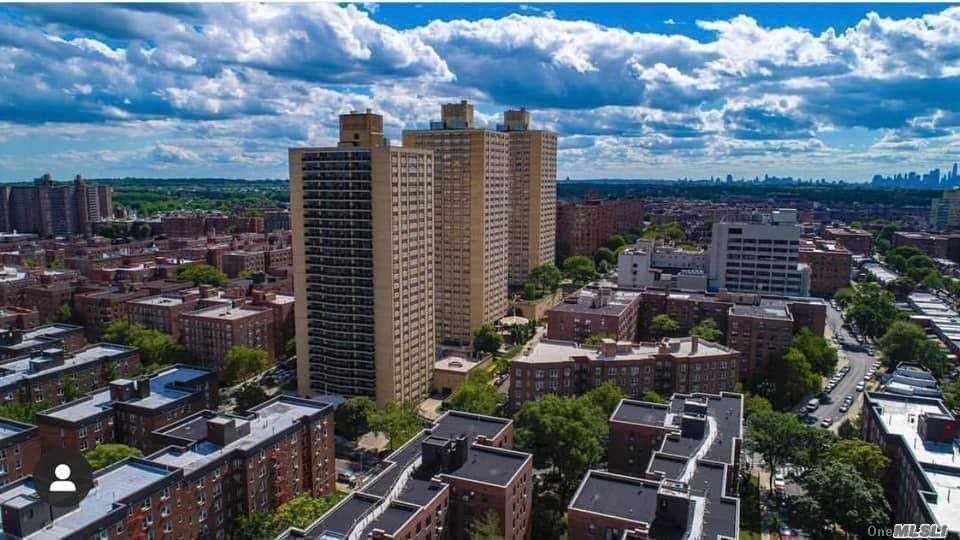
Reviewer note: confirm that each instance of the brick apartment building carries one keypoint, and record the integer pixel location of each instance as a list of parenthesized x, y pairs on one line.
[(856, 241), (98, 308), (936, 246), (47, 297), (13, 285), (19, 450), (595, 311), (48, 208), (129, 411), (919, 435), (282, 306), (673, 471), (219, 467), (831, 266), (14, 342), (446, 478), (759, 327), (585, 226), (19, 318), (276, 220), (209, 333), (42, 377), (672, 365), (163, 312), (233, 263)]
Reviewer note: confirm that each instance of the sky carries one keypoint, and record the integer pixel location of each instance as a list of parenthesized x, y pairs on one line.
[(632, 91)]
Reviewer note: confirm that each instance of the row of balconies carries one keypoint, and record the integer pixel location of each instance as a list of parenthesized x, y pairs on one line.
[(315, 232)]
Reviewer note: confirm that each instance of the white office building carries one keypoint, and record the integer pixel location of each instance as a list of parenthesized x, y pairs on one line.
[(761, 256)]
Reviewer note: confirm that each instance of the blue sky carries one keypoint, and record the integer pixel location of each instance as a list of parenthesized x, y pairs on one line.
[(633, 91)]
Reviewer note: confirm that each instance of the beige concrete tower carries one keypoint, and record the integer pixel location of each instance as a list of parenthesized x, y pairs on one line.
[(471, 200), (533, 194), (362, 218)]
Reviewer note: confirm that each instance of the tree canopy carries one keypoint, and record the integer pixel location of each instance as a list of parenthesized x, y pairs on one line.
[(157, 349), (707, 330), (663, 326), (486, 339), (906, 342), (242, 362), (202, 274), (105, 455), (581, 270), (249, 396), (792, 378), (872, 309), (352, 418), (298, 512), (476, 395), (542, 280), (817, 350), (399, 422), (866, 457)]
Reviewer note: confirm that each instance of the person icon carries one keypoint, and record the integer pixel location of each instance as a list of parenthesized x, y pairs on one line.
[(62, 484)]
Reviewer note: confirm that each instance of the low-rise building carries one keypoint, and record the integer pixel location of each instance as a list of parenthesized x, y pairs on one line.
[(857, 241), (671, 365), (42, 377), (220, 467), (919, 435), (129, 411), (234, 263), (438, 485), (15, 342), (96, 309), (673, 472), (209, 333), (831, 267), (936, 246), (595, 311), (19, 450), (18, 317), (163, 312)]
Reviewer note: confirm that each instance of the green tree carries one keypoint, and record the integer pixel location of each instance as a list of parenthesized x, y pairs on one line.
[(595, 340), (931, 355), (201, 274), (850, 428), (754, 404), (23, 412), (651, 396), (486, 339), (57, 264), (843, 297), (707, 330), (605, 397), (157, 349), (487, 527), (766, 433), (872, 309), (64, 314), (71, 391), (566, 435), (105, 455), (352, 418), (298, 512), (616, 242), (899, 343), (866, 458), (113, 371), (580, 269), (863, 508), (605, 255), (817, 350), (545, 277), (951, 395), (290, 348), (932, 282), (399, 422), (249, 396), (896, 262), (548, 515), (476, 395), (242, 362), (901, 287), (663, 326), (792, 378)]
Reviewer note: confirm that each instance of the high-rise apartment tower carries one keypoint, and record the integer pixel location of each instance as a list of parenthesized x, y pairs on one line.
[(363, 227), (472, 215), (533, 194)]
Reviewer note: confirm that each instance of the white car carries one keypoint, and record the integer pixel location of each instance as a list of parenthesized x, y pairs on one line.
[(860, 387)]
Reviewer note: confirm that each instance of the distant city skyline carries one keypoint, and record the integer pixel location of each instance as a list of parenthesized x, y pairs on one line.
[(842, 92)]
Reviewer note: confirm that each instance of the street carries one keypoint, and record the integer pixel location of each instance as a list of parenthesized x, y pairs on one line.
[(859, 362)]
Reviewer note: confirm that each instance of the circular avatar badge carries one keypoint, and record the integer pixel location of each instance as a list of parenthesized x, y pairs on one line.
[(63, 477)]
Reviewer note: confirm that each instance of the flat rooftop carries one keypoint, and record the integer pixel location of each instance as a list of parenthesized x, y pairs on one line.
[(9, 428), (549, 351), (51, 330), (455, 423), (112, 486), (641, 412), (271, 418), (226, 312), (18, 369), (616, 495), (158, 301), (768, 311), (617, 301), (940, 462), (490, 465)]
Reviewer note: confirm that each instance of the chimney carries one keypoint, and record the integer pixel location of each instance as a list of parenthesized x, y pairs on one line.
[(206, 290), (694, 344), (121, 389), (142, 386), (223, 431), (608, 348)]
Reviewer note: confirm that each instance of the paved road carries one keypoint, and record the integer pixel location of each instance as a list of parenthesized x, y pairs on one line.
[(859, 363)]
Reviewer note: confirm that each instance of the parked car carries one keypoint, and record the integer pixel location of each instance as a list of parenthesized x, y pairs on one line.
[(845, 407), (826, 422), (860, 387)]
